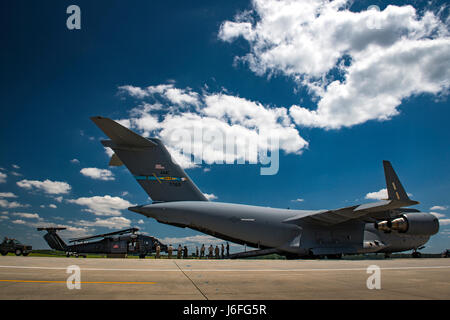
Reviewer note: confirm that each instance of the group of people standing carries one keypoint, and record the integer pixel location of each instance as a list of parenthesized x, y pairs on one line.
[(216, 253)]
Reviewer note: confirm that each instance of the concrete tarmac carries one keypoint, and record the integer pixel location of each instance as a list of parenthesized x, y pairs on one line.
[(45, 278)]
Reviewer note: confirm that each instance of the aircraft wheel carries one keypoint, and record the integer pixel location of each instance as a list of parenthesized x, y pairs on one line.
[(67, 254), (142, 256), (416, 255), (18, 252), (4, 253)]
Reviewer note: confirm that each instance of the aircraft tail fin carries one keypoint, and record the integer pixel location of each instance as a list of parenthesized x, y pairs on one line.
[(149, 162), (52, 238), (394, 187)]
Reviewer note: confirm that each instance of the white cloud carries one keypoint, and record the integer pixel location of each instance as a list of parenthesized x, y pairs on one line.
[(3, 177), (134, 91), (27, 215), (140, 221), (15, 166), (437, 215), (298, 200), (16, 174), (75, 161), (102, 206), (98, 174), (215, 127), (110, 223), (11, 205), (19, 221), (438, 208), (444, 222), (210, 196), (59, 199), (380, 57), (48, 186), (53, 206), (7, 195), (378, 195)]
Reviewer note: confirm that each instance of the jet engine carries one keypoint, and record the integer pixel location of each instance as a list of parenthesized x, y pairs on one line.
[(420, 223)]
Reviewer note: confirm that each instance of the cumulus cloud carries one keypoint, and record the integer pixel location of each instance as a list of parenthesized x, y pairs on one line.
[(438, 208), (19, 221), (98, 174), (358, 66), (3, 177), (15, 166), (7, 195), (377, 195), (110, 223), (102, 206), (214, 127), (75, 161), (53, 206), (11, 204), (210, 196), (47, 186), (437, 215), (298, 200), (27, 215)]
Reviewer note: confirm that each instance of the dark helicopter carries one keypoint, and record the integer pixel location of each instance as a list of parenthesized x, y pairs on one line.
[(114, 244)]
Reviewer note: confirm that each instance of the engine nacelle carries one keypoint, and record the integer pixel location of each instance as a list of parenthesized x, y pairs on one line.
[(416, 223)]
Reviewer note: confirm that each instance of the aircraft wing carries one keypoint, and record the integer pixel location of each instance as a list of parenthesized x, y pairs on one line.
[(397, 199), (366, 212)]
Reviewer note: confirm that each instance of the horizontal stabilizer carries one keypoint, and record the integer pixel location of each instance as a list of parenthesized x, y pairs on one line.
[(121, 135)]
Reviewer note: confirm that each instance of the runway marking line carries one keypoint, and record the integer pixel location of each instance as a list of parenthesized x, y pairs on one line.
[(82, 282), (231, 270)]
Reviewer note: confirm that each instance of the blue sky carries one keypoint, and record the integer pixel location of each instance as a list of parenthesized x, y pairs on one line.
[(53, 79)]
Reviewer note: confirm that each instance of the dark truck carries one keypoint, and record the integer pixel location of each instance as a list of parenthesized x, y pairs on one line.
[(12, 245)]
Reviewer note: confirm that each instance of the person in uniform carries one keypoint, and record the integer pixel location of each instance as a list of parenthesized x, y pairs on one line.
[(158, 251), (228, 249), (210, 249), (202, 251), (217, 252), (179, 251), (222, 251), (185, 252), (169, 251)]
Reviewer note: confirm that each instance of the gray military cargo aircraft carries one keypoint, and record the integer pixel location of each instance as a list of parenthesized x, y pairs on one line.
[(384, 226)]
